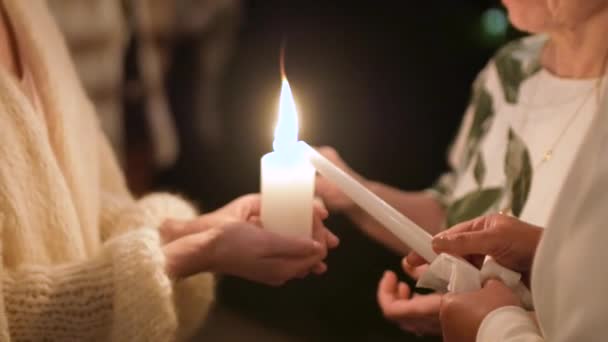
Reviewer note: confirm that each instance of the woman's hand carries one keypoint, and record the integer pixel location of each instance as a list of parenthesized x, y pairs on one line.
[(230, 239), (333, 197), (245, 250), (245, 208), (418, 314), (511, 242), (461, 314)]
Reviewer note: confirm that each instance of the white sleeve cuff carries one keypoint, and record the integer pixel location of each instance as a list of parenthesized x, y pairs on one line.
[(509, 324)]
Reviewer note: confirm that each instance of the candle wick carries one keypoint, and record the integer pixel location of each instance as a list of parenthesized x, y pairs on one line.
[(282, 57)]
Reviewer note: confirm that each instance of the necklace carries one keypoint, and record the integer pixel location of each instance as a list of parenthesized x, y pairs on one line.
[(549, 152)]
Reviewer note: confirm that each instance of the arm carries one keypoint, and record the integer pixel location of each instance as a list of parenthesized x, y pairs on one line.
[(425, 208), (420, 207), (120, 294), (121, 213)]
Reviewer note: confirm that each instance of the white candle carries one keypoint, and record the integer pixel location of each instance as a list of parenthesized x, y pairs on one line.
[(407, 231), (287, 177)]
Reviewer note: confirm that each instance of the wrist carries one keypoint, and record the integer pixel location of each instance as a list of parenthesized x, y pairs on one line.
[(211, 250), (192, 254)]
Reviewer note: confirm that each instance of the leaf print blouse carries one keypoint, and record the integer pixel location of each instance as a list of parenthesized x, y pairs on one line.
[(518, 138)]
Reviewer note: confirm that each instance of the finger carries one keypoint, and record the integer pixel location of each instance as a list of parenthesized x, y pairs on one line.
[(319, 268), (414, 259), (387, 290), (318, 230), (413, 271), (244, 206), (416, 307), (252, 205), (328, 152), (467, 243), (322, 185), (403, 291), (305, 264), (494, 283), (475, 224), (320, 209), (332, 240), (280, 246)]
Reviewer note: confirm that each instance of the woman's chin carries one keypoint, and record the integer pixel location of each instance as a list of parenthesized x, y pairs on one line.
[(529, 16), (526, 22)]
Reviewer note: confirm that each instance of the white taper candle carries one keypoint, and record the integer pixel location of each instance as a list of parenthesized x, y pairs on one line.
[(407, 231)]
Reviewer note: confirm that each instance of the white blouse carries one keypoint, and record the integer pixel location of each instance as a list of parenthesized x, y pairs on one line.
[(569, 277)]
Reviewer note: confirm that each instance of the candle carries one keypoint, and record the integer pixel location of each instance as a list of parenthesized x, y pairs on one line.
[(287, 177), (407, 231)]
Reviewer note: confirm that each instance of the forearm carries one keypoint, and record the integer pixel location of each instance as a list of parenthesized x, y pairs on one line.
[(420, 207), (121, 294)]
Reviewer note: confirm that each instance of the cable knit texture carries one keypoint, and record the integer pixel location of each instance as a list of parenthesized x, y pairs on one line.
[(81, 259)]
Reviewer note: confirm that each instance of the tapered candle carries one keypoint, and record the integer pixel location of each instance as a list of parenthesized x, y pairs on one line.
[(407, 231)]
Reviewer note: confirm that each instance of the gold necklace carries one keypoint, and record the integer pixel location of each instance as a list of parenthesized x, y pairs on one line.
[(548, 154)]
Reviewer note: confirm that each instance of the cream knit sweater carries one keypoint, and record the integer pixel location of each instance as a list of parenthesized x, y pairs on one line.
[(81, 258)]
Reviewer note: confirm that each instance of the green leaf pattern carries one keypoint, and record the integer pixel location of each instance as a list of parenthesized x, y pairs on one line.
[(513, 67), (518, 172), (479, 172), (473, 204)]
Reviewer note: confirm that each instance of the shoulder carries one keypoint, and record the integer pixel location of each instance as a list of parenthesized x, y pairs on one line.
[(512, 64), (524, 50)]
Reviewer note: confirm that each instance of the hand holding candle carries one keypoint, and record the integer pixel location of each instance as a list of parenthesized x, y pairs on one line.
[(287, 198)]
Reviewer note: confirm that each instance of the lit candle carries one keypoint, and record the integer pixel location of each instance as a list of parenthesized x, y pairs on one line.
[(407, 231), (287, 177), (458, 274)]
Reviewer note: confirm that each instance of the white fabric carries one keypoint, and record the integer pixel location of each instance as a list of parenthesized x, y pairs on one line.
[(546, 106), (569, 280), (510, 323), (451, 274)]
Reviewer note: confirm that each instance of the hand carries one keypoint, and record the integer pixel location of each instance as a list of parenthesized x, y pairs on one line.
[(185, 239), (461, 314), (333, 197), (511, 242), (418, 314), (247, 209), (244, 208), (245, 250)]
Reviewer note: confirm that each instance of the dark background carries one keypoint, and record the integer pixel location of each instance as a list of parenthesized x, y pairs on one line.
[(385, 83)]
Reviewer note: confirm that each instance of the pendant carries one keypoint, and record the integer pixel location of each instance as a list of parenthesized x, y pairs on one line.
[(548, 155)]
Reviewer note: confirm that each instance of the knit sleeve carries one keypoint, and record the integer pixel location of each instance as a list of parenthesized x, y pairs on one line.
[(509, 324), (121, 213), (121, 294)]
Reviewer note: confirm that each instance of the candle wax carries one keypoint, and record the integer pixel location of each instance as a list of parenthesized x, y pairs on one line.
[(287, 188)]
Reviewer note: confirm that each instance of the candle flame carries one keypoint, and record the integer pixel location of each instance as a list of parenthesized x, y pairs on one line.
[(286, 131)]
